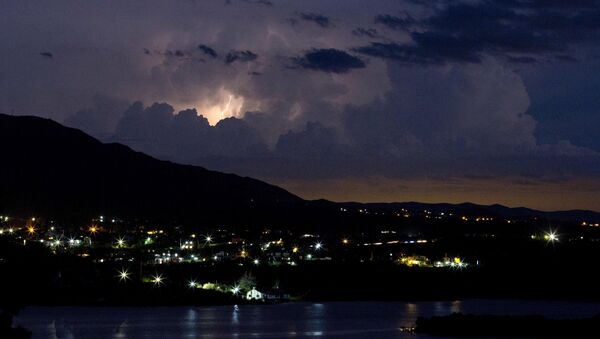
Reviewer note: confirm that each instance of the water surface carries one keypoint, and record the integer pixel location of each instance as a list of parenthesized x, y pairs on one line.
[(291, 320)]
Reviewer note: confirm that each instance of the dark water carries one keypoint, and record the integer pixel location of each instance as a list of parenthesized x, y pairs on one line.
[(338, 320)]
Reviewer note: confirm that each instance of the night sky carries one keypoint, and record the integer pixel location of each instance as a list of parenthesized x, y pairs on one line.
[(437, 101)]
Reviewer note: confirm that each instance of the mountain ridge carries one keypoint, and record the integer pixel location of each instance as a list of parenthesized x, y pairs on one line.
[(51, 169)]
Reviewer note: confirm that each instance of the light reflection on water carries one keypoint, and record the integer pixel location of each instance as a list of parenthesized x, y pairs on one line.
[(292, 320)]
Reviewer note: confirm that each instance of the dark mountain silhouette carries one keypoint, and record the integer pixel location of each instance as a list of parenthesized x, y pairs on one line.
[(59, 172), (51, 170)]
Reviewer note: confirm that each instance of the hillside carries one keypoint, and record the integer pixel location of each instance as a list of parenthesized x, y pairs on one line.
[(52, 170)]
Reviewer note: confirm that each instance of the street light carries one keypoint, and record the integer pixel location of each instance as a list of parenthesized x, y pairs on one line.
[(123, 275), (192, 283), (158, 279)]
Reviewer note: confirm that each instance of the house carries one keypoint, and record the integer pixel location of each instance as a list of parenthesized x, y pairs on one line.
[(254, 295)]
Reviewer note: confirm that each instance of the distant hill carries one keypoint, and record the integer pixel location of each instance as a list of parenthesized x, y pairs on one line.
[(482, 210), (52, 170)]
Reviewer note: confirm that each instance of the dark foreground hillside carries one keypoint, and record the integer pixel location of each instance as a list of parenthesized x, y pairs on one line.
[(51, 170)]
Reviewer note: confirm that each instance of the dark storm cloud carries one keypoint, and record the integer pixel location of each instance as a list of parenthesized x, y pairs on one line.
[(47, 55), (394, 22), (314, 141), (100, 120), (566, 58), (241, 56), (366, 32), (185, 136), (465, 31), (430, 49), (522, 60), (316, 18), (208, 50), (176, 53), (257, 2), (329, 60)]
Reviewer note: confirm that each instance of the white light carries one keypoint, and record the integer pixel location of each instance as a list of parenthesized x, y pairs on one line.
[(235, 290), (318, 246), (552, 236), (157, 279), (192, 284), (256, 262), (123, 275)]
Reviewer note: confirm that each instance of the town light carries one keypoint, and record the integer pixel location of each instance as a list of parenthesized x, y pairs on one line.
[(123, 275), (192, 284), (235, 290), (318, 246), (551, 236), (31, 230), (120, 242), (158, 279)]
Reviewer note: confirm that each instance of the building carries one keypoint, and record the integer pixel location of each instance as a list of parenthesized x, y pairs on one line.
[(254, 295)]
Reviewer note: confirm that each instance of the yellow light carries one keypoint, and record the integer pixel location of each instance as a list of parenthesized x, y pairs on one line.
[(93, 229), (345, 241), (31, 230), (120, 242), (295, 249)]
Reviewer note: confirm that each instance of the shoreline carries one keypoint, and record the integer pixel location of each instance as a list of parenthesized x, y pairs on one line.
[(244, 302)]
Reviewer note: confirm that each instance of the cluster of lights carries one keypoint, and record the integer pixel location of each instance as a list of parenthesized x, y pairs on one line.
[(187, 245)]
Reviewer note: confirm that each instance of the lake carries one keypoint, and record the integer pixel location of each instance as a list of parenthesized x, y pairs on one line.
[(290, 320)]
